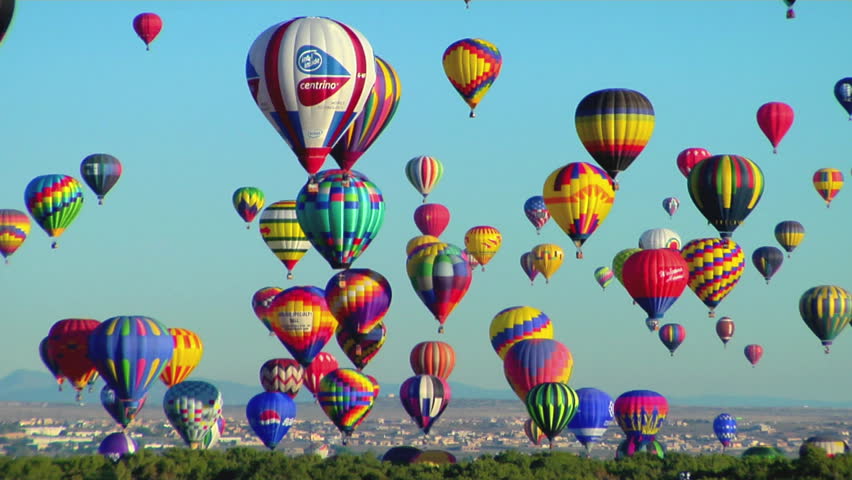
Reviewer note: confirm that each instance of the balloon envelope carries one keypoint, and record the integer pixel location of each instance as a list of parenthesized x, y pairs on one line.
[(594, 415), (270, 416), (551, 406), (301, 320), (433, 358), (471, 66), (789, 235), (346, 396), (358, 298), (828, 182), (186, 355), (54, 201), (283, 234), (826, 310), (725, 428), (424, 398), (753, 353), (725, 189), (767, 261), (688, 158), (282, 375), (100, 171), (534, 361), (536, 211), (842, 91), (424, 173), (14, 228), (193, 408), (147, 26), (117, 445), (715, 267), (641, 413), (513, 324), (248, 201), (775, 120)]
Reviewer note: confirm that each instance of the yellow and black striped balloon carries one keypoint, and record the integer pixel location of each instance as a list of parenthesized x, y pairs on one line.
[(551, 406), (826, 310)]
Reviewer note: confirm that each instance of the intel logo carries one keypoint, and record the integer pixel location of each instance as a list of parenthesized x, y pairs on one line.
[(310, 61)]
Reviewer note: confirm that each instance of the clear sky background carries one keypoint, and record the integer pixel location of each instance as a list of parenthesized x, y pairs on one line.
[(167, 243)]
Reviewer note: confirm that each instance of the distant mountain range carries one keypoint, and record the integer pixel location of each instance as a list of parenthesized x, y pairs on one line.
[(33, 386)]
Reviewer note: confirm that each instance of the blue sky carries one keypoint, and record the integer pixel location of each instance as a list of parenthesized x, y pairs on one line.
[(168, 244)]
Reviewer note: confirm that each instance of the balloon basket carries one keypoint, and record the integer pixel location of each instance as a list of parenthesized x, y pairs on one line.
[(472, 115), (289, 275), (54, 245), (100, 201), (441, 329), (579, 255), (248, 227)]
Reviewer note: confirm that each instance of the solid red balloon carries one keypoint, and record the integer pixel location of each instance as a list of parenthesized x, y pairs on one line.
[(432, 218), (147, 26), (775, 119), (753, 353), (689, 157)]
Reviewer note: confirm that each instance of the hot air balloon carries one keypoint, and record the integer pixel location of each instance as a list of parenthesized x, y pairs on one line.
[(129, 353), (434, 458), (346, 396), (767, 261), (534, 433), (725, 330), (604, 276), (401, 455), (528, 266), (433, 358), (50, 362), (547, 259), (753, 353), (418, 241), (374, 117), (424, 398), (187, 353), (725, 428), (688, 158), (482, 243), (248, 201), (551, 406), (763, 451), (310, 77), (431, 219), (614, 125), (14, 228), (117, 408), (537, 360), (358, 298), (775, 120), (7, 11), (660, 238), (68, 346), (670, 205), (536, 212), (725, 189), (440, 276), (424, 173), (842, 91), (618, 262), (828, 182), (283, 234), (790, 12), (715, 267), (100, 171), (640, 414), (628, 448), (282, 375), (513, 324), (594, 415), (116, 446), (832, 444), (672, 335), (579, 196), (360, 348), (270, 416), (789, 235), (323, 363), (471, 66), (301, 320), (147, 26), (260, 302), (192, 408), (54, 202), (342, 217), (655, 279), (826, 310)]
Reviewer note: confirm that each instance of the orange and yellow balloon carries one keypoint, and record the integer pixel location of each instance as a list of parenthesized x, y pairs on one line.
[(547, 259), (14, 228), (418, 241), (187, 353), (472, 65), (482, 243)]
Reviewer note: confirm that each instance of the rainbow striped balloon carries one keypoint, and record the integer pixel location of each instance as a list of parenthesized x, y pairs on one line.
[(424, 173), (828, 182), (283, 234), (301, 320), (672, 335), (14, 228), (346, 396), (54, 201), (826, 310), (472, 65), (513, 324), (360, 348), (641, 413), (358, 298), (440, 275)]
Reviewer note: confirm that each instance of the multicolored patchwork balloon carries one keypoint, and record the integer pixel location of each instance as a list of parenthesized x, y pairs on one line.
[(433, 358), (101, 172), (360, 348), (424, 398), (283, 234), (14, 228), (725, 189), (192, 408), (248, 201), (715, 267), (346, 396), (282, 375), (536, 212), (188, 350), (440, 275), (358, 298), (472, 65), (640, 414), (534, 361), (513, 324), (828, 182), (270, 416), (551, 406), (54, 201), (374, 117), (424, 173), (342, 216), (826, 310), (300, 318)]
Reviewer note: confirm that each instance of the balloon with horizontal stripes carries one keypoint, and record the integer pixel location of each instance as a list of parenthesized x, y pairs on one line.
[(358, 347), (424, 398), (283, 234), (725, 189), (419, 241), (715, 267), (358, 298), (789, 235), (433, 358), (551, 406), (471, 66), (248, 201), (424, 173), (828, 182), (641, 413), (188, 350), (603, 275), (14, 228), (54, 201), (513, 324), (826, 310), (346, 396)]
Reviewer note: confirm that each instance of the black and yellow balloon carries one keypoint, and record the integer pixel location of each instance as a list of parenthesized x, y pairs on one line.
[(725, 189), (551, 406), (826, 310)]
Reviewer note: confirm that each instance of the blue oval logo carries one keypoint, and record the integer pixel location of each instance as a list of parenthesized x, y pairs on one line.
[(310, 61)]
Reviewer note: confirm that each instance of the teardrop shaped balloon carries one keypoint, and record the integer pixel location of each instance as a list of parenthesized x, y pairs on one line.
[(424, 398), (789, 235), (579, 196), (725, 189), (547, 258), (116, 446), (192, 408), (310, 77), (323, 363), (342, 216), (842, 92), (534, 361), (767, 261), (14, 228), (248, 201), (147, 26), (270, 415), (655, 279), (775, 120), (618, 262), (528, 266), (282, 375), (513, 324), (725, 330), (551, 406), (471, 66), (533, 432), (346, 396), (660, 238), (67, 345), (482, 243), (433, 358), (672, 335), (424, 173), (753, 353), (614, 125), (187, 353), (536, 212), (101, 172), (689, 157), (594, 415), (118, 409), (826, 310), (828, 182), (604, 276), (670, 205), (725, 429), (440, 275), (360, 348), (641, 413), (54, 201), (280, 229), (715, 267), (431, 219), (50, 362), (260, 302), (301, 320), (376, 115), (358, 298)]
